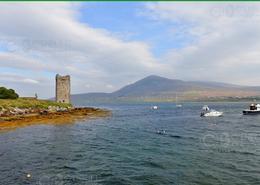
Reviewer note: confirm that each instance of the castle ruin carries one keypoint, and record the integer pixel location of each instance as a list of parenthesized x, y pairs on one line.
[(63, 89)]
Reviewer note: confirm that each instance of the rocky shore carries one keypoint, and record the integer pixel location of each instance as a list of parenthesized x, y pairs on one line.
[(24, 117), (16, 113), (19, 113)]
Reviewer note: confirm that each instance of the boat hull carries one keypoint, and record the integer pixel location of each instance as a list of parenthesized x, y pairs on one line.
[(250, 112), (211, 114)]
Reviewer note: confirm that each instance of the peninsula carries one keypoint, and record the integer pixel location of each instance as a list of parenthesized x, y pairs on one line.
[(16, 112)]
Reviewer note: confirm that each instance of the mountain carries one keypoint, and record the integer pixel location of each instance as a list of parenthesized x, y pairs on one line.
[(156, 88), (154, 85), (150, 86)]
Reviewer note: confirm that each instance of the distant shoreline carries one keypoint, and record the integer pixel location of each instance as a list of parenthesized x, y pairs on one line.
[(162, 100)]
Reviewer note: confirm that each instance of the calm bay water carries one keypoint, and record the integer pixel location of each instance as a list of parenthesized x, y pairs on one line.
[(126, 149)]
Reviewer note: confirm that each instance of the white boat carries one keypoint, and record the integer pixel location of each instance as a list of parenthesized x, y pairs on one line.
[(154, 107), (176, 101), (253, 109), (207, 112)]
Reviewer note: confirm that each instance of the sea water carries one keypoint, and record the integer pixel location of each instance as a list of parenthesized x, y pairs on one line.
[(137, 145)]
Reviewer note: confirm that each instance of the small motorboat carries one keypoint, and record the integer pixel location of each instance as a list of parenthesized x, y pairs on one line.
[(154, 107), (161, 132), (207, 112), (253, 109), (179, 105)]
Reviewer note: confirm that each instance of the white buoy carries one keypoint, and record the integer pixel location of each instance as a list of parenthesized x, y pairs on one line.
[(28, 175), (154, 107)]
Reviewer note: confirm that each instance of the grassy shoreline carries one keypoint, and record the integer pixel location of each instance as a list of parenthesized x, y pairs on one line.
[(30, 103)]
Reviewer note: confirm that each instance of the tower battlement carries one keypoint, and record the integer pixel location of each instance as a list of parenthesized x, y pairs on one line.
[(63, 88)]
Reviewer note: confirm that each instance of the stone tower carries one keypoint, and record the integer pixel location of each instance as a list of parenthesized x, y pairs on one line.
[(63, 88)]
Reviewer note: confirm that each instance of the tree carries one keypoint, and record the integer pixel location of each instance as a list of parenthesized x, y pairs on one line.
[(8, 93)]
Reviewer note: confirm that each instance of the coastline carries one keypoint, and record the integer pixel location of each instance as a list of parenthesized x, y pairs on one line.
[(12, 117), (66, 117)]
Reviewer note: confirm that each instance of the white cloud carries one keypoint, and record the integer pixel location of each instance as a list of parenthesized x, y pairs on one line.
[(28, 80), (226, 41), (14, 78), (14, 60), (109, 86), (49, 37)]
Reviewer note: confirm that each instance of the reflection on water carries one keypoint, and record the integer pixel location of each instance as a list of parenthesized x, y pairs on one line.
[(50, 119), (127, 149)]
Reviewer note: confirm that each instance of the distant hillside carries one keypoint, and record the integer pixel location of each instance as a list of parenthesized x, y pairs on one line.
[(156, 88), (152, 86), (155, 85)]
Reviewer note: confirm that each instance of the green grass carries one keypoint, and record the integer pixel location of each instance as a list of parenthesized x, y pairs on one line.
[(30, 103)]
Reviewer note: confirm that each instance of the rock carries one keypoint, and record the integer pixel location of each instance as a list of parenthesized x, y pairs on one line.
[(26, 111), (52, 108), (62, 109), (12, 112), (44, 112), (19, 111)]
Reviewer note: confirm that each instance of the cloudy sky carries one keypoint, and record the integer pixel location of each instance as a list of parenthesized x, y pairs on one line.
[(104, 46)]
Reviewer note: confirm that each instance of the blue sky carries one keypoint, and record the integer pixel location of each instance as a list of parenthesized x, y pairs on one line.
[(106, 45), (125, 20)]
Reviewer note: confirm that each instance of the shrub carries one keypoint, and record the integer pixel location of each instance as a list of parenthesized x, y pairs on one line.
[(8, 93)]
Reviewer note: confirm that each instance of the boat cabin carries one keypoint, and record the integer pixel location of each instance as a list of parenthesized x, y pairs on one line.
[(254, 106), (205, 108)]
